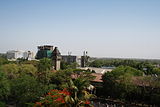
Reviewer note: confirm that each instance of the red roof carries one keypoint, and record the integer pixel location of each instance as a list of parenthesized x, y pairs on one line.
[(98, 77)]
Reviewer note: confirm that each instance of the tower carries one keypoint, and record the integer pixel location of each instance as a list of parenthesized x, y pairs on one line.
[(84, 59), (56, 57)]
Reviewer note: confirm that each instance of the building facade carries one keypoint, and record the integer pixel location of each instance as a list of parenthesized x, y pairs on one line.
[(14, 55), (28, 55), (72, 59), (44, 51)]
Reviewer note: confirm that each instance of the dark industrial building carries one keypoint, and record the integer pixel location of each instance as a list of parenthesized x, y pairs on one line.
[(44, 52)]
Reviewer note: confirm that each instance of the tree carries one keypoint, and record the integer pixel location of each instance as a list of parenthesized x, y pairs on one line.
[(61, 78), (79, 96), (65, 65), (32, 62), (44, 64), (121, 70), (44, 71), (119, 84), (11, 70), (3, 61), (73, 96), (4, 87), (26, 89), (96, 63), (76, 87), (156, 71), (27, 69)]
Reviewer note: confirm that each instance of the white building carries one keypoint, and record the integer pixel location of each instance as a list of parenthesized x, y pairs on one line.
[(13, 55), (97, 70), (28, 55)]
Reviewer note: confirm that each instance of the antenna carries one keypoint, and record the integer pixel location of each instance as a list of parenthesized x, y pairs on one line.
[(84, 53), (69, 53)]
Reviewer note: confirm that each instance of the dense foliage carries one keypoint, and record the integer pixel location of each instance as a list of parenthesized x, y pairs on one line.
[(128, 84), (34, 83), (74, 95), (25, 82)]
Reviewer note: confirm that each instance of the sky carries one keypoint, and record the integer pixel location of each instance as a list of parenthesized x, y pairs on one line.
[(104, 28)]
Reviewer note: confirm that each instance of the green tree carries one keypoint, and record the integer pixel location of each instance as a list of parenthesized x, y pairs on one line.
[(3, 61), (121, 70), (72, 65), (11, 70), (4, 87), (156, 71), (65, 65), (118, 83), (60, 78), (27, 69), (26, 89), (44, 73), (44, 64), (79, 95), (32, 62), (96, 63)]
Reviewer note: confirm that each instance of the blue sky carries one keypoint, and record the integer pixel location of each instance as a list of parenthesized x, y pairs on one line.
[(105, 28)]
